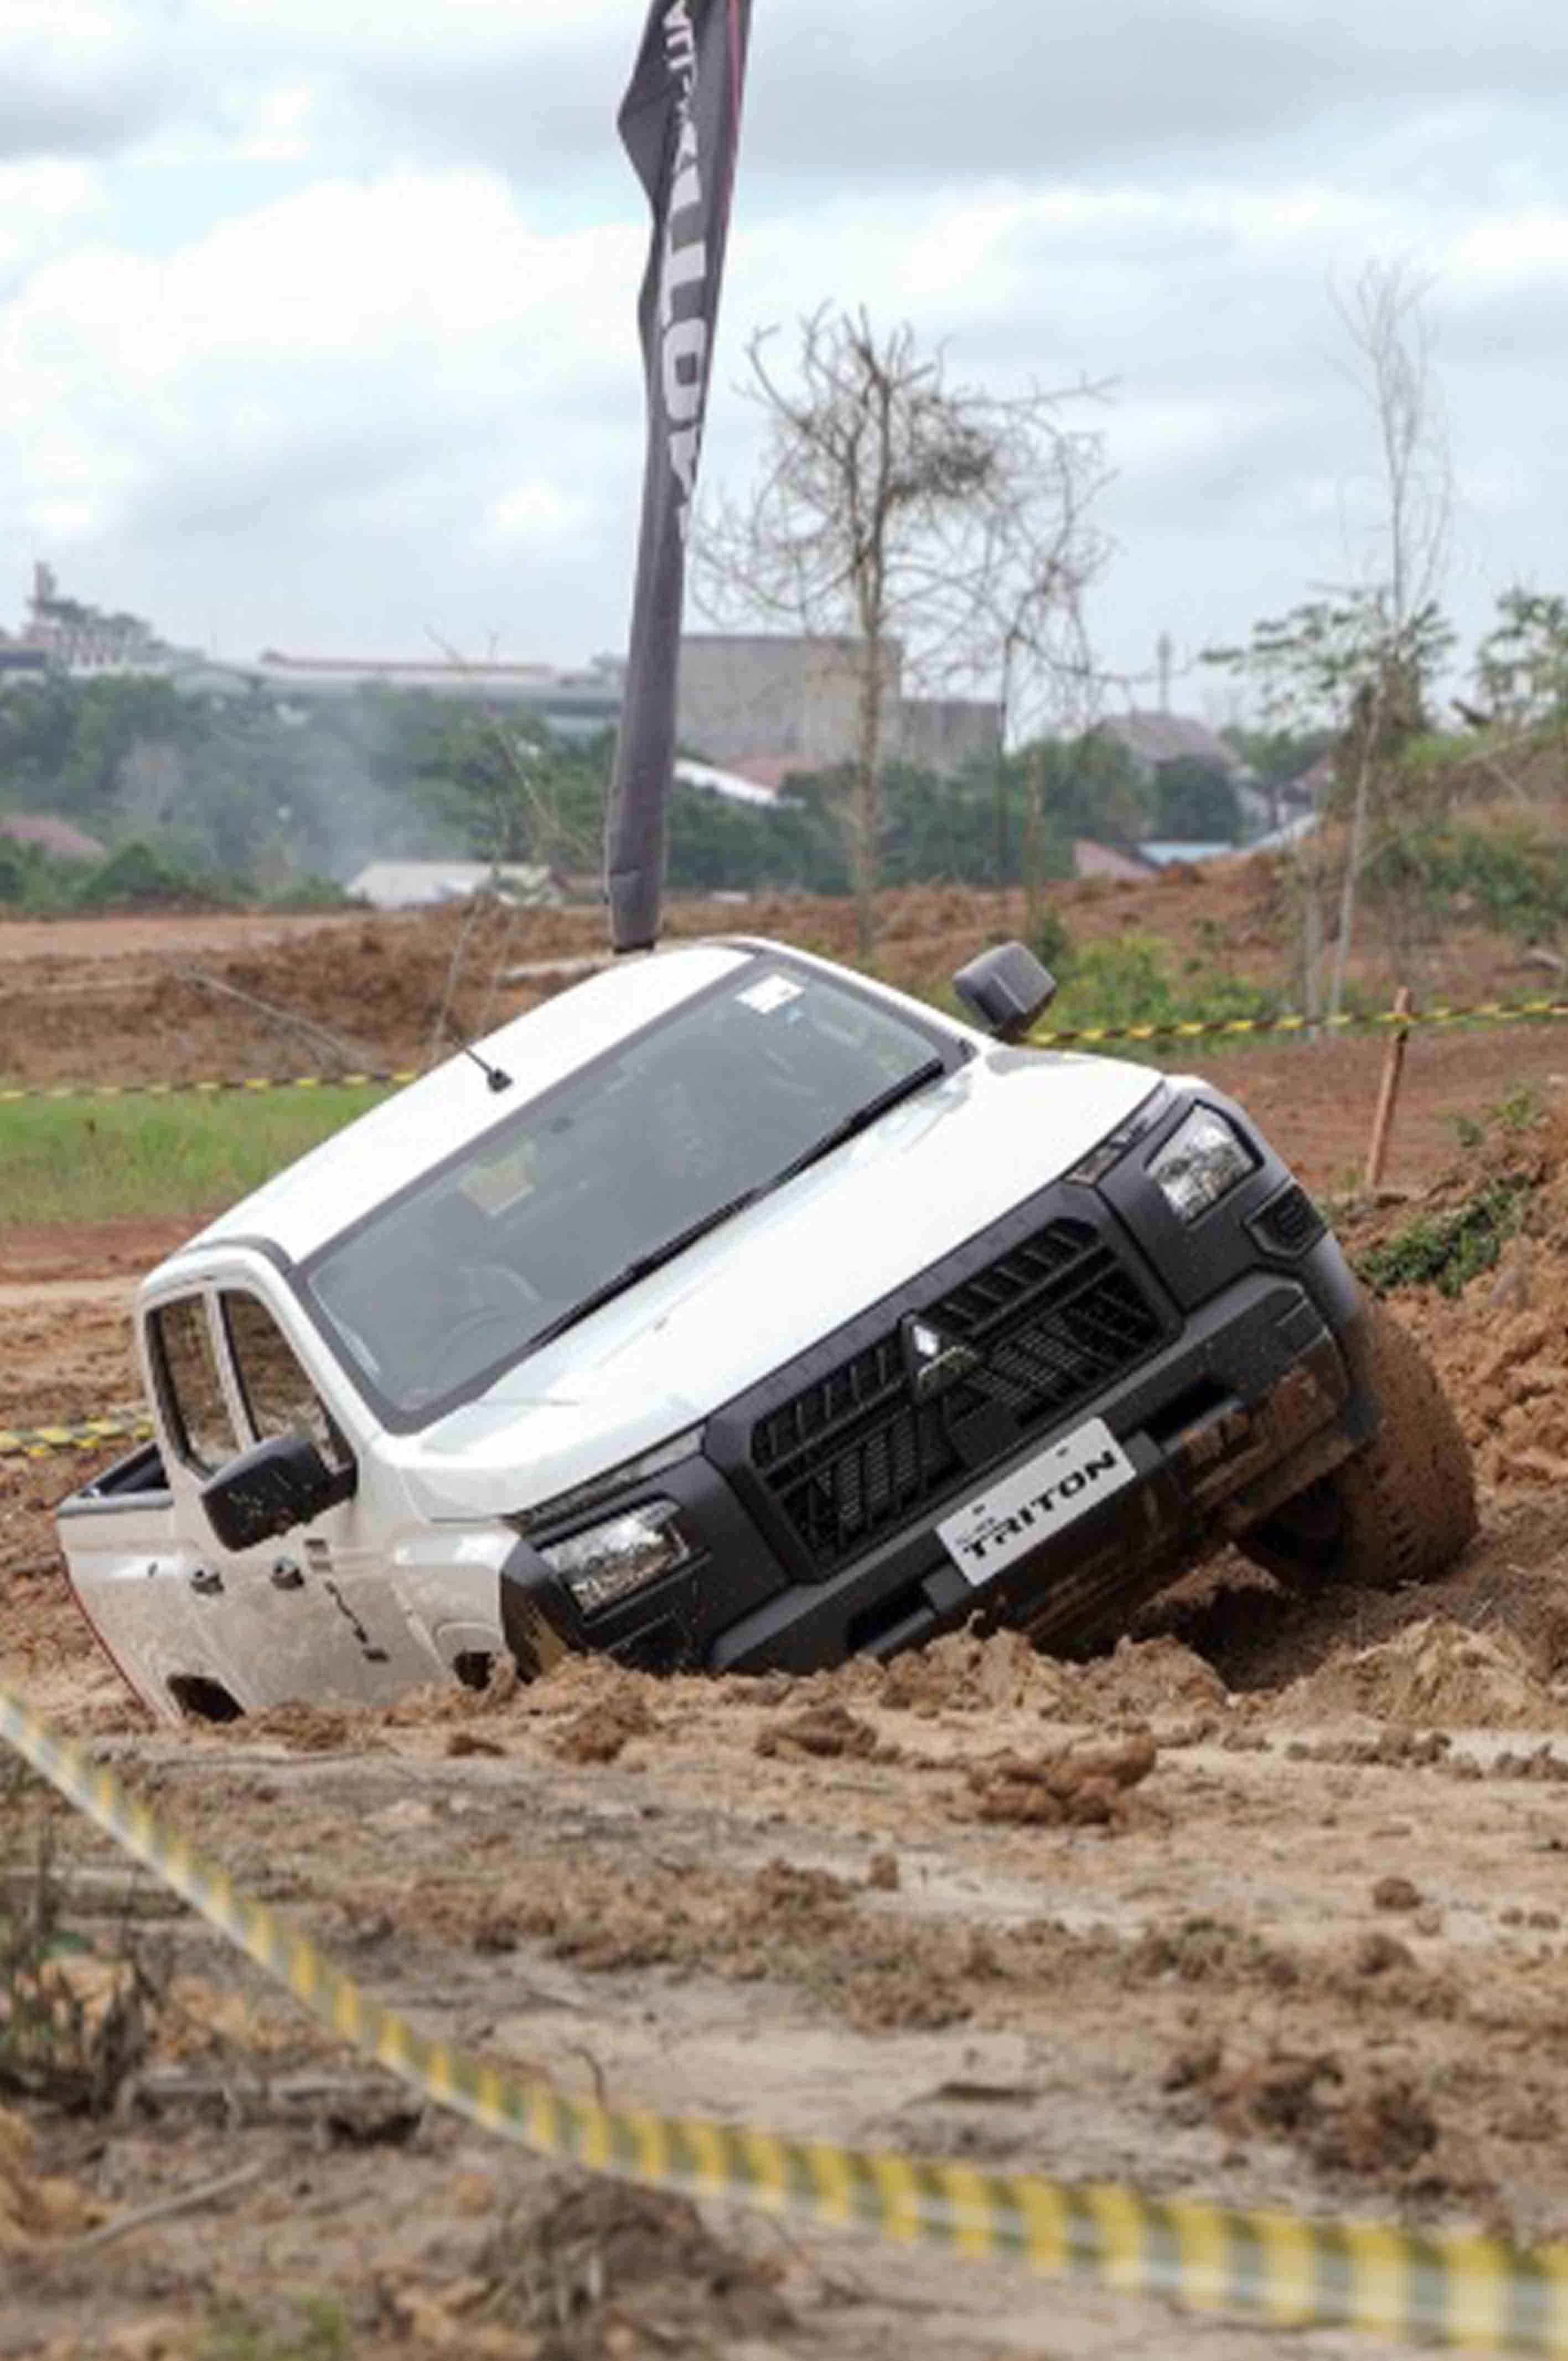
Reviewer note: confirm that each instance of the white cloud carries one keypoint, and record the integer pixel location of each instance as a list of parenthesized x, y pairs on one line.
[(43, 207), (405, 395)]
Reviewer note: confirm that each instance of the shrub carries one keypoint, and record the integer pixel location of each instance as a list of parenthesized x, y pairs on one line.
[(1447, 1251)]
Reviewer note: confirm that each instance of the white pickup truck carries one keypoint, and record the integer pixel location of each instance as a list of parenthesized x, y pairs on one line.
[(731, 1311)]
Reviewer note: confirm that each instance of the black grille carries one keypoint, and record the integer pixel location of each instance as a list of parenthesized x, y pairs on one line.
[(1053, 1320)]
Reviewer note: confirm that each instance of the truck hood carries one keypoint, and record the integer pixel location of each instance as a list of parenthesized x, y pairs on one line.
[(761, 1289)]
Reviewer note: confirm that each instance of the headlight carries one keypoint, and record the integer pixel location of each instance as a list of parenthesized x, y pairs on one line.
[(583, 1497), (610, 1560), (1115, 1144), (1200, 1162)]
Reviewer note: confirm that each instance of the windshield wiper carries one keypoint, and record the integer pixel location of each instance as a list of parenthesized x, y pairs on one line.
[(656, 1257), (862, 1118)]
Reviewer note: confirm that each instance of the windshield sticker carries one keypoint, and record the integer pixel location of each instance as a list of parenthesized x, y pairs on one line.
[(773, 992)]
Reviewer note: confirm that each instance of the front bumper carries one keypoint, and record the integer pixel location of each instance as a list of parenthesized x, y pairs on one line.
[(1235, 1387)]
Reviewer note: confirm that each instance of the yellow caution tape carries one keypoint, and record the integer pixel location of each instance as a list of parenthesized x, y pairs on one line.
[(83, 1434), (1172, 1029), (1181, 1028), (379, 1078), (1466, 2289)]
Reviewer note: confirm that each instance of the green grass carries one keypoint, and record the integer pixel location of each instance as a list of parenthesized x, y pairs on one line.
[(148, 1160), (1447, 1251), (312, 2328)]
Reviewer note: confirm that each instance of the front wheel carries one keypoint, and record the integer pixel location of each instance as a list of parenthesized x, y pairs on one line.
[(1402, 1509)]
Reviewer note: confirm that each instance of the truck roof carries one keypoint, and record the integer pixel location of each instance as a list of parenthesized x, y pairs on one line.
[(356, 1169)]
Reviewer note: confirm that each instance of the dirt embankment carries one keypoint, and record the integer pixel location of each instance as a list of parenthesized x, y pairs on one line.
[(1269, 1904), (155, 999)]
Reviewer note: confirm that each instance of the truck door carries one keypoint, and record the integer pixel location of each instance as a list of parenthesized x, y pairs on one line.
[(315, 1610)]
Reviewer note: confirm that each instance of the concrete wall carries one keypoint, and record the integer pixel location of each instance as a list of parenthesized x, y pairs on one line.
[(767, 695), (799, 700), (944, 733)]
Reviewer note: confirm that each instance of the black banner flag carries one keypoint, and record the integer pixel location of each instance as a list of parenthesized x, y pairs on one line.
[(681, 123)]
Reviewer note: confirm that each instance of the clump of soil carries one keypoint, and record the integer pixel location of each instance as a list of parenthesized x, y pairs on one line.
[(964, 1674), (1079, 1789), (307, 1728), (600, 2273), (1433, 1671), (1347, 2119), (827, 1731), (599, 1732)]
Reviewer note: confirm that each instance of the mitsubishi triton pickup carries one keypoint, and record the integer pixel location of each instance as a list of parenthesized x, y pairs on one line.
[(733, 1311)]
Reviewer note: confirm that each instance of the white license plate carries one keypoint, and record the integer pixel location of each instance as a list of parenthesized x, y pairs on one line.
[(1038, 1500)]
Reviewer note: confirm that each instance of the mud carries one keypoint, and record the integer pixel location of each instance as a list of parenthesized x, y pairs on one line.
[(1267, 1905)]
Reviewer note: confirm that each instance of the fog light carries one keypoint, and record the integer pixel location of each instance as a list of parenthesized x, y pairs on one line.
[(613, 1561), (1200, 1163)]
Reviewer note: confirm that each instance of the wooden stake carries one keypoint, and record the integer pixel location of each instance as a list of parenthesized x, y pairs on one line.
[(1388, 1090)]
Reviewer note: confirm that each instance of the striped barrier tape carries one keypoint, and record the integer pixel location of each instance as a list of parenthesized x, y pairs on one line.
[(378, 1078), (85, 1434), (1464, 2289), (1173, 1028), (1179, 1028)]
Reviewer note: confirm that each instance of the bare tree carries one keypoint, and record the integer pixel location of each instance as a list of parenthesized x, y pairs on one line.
[(1358, 657), (1389, 335), (1046, 552), (903, 514)]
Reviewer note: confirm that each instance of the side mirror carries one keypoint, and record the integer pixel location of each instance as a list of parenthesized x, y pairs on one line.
[(268, 1491), (1006, 989)]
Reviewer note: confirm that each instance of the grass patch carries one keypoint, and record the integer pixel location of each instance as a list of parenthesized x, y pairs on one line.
[(1131, 979), (309, 2328), (1514, 878), (147, 1159), (1447, 1251), (69, 2044)]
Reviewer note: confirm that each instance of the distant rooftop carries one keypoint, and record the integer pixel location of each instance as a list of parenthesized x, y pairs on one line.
[(1160, 737), (53, 836)]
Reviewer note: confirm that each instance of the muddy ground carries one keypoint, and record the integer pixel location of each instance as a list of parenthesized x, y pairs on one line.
[(1288, 1924)]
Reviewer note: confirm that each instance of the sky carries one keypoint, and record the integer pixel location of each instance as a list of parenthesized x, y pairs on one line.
[(317, 317)]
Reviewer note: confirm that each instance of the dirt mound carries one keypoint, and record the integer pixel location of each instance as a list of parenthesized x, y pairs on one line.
[(600, 1731), (963, 1673), (593, 2272), (1434, 1672), (1498, 1339), (1348, 2119), (827, 1731)]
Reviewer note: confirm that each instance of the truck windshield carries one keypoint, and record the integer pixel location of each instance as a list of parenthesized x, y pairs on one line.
[(597, 1181)]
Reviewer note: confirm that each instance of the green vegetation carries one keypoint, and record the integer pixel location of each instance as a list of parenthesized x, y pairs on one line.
[(52, 2046), (1516, 878), (148, 1158), (204, 800), (1448, 1250), (1196, 802), (315, 2329), (1131, 981)]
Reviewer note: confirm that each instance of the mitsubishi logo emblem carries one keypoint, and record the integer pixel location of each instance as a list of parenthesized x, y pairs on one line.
[(933, 1361)]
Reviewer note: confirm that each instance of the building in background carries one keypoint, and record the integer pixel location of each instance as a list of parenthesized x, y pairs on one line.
[(61, 839), (570, 704), (764, 705), (86, 643)]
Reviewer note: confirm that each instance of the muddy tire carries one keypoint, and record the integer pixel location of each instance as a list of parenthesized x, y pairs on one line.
[(1403, 1509)]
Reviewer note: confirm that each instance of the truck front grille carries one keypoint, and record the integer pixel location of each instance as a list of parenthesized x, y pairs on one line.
[(1053, 1321)]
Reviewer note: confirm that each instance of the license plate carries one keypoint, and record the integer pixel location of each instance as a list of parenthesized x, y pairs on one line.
[(1038, 1500)]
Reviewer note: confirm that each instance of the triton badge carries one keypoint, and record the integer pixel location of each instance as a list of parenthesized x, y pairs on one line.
[(933, 1361)]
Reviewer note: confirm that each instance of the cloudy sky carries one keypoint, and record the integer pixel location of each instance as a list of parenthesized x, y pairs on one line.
[(316, 316)]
